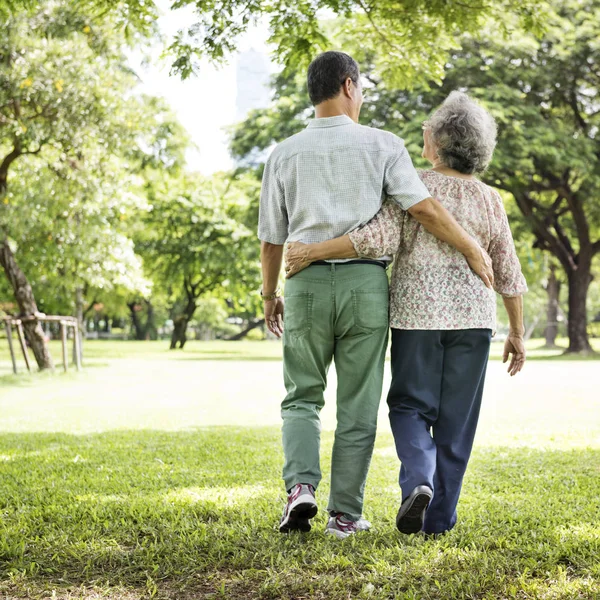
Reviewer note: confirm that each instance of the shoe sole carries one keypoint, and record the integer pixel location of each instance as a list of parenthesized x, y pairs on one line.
[(298, 519), (340, 535), (412, 520)]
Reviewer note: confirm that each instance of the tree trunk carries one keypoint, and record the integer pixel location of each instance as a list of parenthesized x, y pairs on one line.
[(180, 324), (27, 306), (242, 334), (150, 332), (97, 324), (179, 337), (147, 330), (553, 291), (579, 282), (135, 320)]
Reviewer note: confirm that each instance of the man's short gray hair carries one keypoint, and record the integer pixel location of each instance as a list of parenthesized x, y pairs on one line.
[(464, 134)]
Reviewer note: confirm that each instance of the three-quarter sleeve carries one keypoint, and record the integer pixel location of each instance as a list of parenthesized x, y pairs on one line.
[(272, 216), (381, 235), (508, 277), (402, 183)]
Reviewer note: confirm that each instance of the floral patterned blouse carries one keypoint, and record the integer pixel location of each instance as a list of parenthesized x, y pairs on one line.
[(432, 284)]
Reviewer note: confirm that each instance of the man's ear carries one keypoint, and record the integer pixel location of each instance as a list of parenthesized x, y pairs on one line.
[(347, 87)]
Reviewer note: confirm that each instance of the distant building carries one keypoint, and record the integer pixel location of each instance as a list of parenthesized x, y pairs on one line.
[(253, 73)]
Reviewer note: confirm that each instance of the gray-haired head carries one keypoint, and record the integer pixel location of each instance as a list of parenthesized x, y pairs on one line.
[(464, 134)]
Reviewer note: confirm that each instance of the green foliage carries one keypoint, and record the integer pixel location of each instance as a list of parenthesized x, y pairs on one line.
[(198, 236), (71, 227), (136, 19), (60, 83), (414, 36), (255, 335), (210, 312), (544, 95), (77, 140)]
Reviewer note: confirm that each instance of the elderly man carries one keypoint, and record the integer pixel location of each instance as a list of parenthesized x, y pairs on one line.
[(320, 184)]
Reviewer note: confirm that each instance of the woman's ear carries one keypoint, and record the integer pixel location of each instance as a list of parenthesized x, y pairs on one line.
[(429, 150)]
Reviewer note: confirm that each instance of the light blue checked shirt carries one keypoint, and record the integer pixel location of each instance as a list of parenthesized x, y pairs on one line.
[(332, 178)]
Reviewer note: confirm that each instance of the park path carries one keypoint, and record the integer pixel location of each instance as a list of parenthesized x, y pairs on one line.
[(550, 401)]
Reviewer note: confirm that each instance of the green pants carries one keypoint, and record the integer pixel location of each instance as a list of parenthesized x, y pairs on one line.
[(334, 312)]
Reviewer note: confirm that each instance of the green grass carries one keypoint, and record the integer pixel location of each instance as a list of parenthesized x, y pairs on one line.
[(100, 353), (186, 514), (152, 475)]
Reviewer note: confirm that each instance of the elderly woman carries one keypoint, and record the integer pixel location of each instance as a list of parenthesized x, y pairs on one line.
[(442, 315)]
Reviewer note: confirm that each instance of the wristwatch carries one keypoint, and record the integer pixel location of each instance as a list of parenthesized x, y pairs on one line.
[(275, 294)]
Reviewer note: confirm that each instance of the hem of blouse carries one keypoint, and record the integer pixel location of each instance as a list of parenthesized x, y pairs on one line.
[(429, 326)]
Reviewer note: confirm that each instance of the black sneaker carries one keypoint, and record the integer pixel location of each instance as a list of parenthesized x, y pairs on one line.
[(412, 511)]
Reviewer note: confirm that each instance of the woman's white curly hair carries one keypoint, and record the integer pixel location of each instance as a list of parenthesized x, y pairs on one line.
[(464, 134)]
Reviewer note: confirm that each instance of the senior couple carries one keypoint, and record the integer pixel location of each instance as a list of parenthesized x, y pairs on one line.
[(347, 201)]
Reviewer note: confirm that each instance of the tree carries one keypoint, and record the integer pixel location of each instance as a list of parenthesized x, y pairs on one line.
[(415, 36), (65, 97), (133, 18), (50, 92), (544, 94), (196, 244)]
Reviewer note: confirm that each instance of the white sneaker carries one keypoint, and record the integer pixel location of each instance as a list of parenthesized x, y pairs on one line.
[(300, 508), (342, 527)]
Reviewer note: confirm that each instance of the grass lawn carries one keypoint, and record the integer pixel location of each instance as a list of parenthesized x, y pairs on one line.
[(98, 353), (157, 474)]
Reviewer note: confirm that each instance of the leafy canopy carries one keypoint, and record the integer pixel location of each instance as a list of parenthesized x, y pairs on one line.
[(75, 141), (198, 237), (414, 36)]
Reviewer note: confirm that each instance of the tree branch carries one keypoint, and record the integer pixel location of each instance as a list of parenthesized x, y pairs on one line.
[(581, 223), (187, 285), (367, 11), (576, 112), (89, 308), (33, 151), (564, 240), (4, 166), (544, 236)]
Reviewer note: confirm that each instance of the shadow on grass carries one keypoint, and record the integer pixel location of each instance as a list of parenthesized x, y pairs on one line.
[(193, 514)]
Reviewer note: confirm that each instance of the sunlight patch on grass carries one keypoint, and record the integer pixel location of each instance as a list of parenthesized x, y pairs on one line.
[(102, 498), (224, 496), (581, 531), (565, 587)]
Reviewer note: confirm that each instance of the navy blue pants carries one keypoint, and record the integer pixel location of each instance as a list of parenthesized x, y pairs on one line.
[(434, 401)]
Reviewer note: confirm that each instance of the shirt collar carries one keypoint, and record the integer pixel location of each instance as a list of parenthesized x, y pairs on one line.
[(331, 121)]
